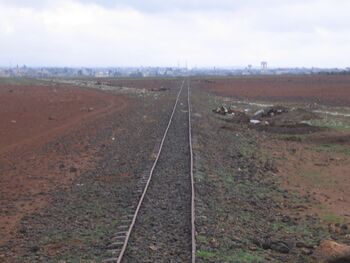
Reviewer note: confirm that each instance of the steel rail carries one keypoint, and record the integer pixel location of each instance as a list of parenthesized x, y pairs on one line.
[(126, 241), (193, 229)]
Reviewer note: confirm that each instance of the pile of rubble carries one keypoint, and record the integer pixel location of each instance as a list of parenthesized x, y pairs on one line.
[(270, 116), (223, 110), (237, 114), (264, 115)]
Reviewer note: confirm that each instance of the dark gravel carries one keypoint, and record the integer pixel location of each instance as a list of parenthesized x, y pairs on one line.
[(81, 219), (163, 229)]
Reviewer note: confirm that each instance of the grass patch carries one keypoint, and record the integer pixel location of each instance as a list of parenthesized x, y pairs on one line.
[(202, 239), (226, 256), (332, 148), (229, 179), (205, 254), (244, 257), (329, 217), (335, 123), (332, 218), (316, 178), (22, 81), (292, 138)]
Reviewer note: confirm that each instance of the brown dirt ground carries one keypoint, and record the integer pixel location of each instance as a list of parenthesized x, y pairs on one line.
[(308, 167), (333, 90), (32, 116), (152, 84)]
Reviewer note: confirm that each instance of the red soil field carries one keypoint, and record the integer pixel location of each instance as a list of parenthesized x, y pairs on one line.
[(331, 90), (153, 84), (32, 116)]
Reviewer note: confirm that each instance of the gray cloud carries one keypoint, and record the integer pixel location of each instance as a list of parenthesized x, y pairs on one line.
[(153, 32), (162, 5)]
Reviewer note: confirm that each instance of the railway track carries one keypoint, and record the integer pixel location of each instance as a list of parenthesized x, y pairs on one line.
[(162, 227)]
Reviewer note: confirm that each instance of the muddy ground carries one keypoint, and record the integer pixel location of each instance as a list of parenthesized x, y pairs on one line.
[(262, 194)]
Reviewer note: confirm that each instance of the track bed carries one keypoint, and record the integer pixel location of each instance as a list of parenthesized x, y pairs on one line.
[(162, 232)]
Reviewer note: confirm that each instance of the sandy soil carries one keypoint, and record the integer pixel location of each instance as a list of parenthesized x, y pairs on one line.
[(334, 90), (32, 116)]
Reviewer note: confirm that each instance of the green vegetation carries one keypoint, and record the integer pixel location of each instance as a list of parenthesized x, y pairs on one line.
[(244, 257), (293, 138), (332, 148), (313, 176), (205, 254), (22, 81), (227, 256), (333, 122), (332, 218), (329, 217), (202, 239)]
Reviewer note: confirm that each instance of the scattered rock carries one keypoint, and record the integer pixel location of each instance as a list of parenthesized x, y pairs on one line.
[(214, 243), (22, 230), (221, 110), (72, 169), (275, 110), (280, 246), (259, 114), (153, 247), (252, 248), (255, 121), (34, 249), (270, 165), (240, 116), (344, 227), (301, 244), (332, 252), (306, 251)]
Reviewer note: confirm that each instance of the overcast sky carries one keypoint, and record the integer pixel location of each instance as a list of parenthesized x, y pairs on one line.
[(168, 32)]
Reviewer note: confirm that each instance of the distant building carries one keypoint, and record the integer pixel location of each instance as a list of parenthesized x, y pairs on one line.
[(3, 73), (263, 65), (102, 74)]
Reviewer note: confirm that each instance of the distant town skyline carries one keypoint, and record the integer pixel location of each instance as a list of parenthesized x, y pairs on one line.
[(221, 33)]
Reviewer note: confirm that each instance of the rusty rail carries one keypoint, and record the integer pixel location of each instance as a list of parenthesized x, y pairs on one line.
[(193, 229)]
